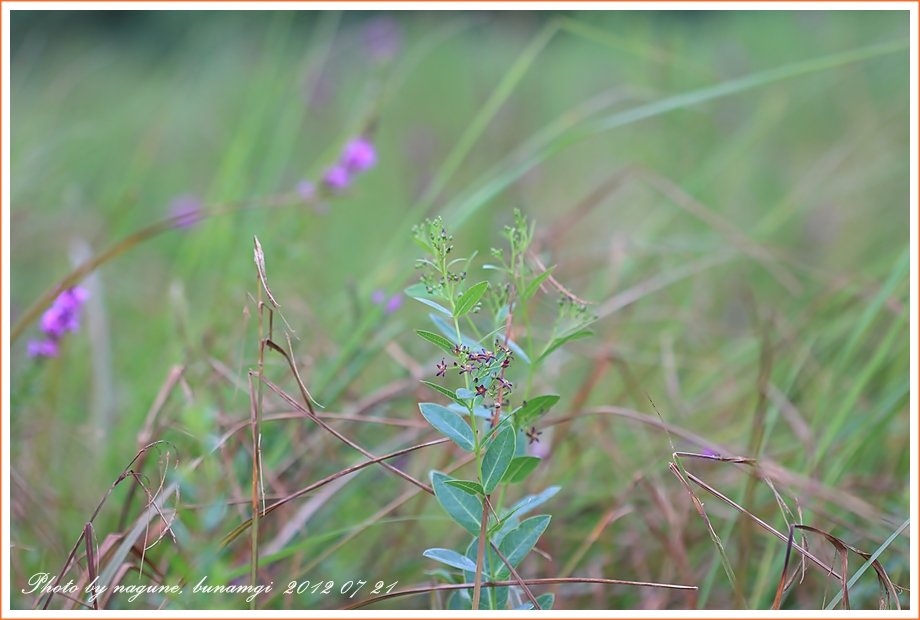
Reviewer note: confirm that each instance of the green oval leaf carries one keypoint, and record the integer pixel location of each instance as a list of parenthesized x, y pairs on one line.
[(520, 468), (462, 507), (518, 542), (468, 486), (447, 393), (533, 409), (532, 501), (470, 298), (497, 459), (438, 341), (449, 423), (451, 558)]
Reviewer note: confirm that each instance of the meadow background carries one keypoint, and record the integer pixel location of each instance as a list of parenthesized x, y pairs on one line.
[(746, 253)]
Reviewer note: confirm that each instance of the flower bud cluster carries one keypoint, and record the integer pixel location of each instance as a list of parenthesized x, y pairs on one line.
[(486, 369)]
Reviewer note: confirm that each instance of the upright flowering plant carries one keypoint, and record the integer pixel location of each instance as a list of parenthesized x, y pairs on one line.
[(479, 419)]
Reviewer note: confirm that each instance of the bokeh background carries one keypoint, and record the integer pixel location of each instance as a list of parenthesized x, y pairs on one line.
[(746, 253)]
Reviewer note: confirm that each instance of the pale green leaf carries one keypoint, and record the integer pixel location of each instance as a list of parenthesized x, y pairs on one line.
[(449, 423)]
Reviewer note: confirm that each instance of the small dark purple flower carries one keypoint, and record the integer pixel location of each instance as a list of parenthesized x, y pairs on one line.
[(186, 210), (480, 390), (43, 348), (442, 368), (359, 155), (393, 303), (378, 296), (306, 190), (533, 435), (337, 177)]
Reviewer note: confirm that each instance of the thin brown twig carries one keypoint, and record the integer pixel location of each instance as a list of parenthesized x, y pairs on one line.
[(348, 470), (341, 437), (532, 255)]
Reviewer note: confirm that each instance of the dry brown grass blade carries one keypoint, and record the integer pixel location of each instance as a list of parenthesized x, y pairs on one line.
[(698, 505), (781, 588), (613, 514), (887, 589), (259, 257), (769, 468), (827, 569), (245, 525), (129, 242), (341, 437), (126, 473), (289, 358), (660, 281), (529, 582), (718, 223), (561, 227), (91, 565), (542, 268), (146, 434), (393, 505)]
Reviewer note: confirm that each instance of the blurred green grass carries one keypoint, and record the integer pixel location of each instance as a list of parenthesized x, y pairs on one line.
[(109, 126)]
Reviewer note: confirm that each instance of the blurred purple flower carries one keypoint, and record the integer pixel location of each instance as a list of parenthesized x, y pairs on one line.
[(393, 303), (378, 296), (359, 155), (382, 38), (337, 177), (306, 190), (63, 316), (187, 209), (43, 348)]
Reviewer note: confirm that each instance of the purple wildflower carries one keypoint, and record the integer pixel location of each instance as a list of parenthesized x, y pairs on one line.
[(186, 209), (306, 190), (393, 303), (378, 296), (43, 348), (337, 177), (359, 155), (63, 316)]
